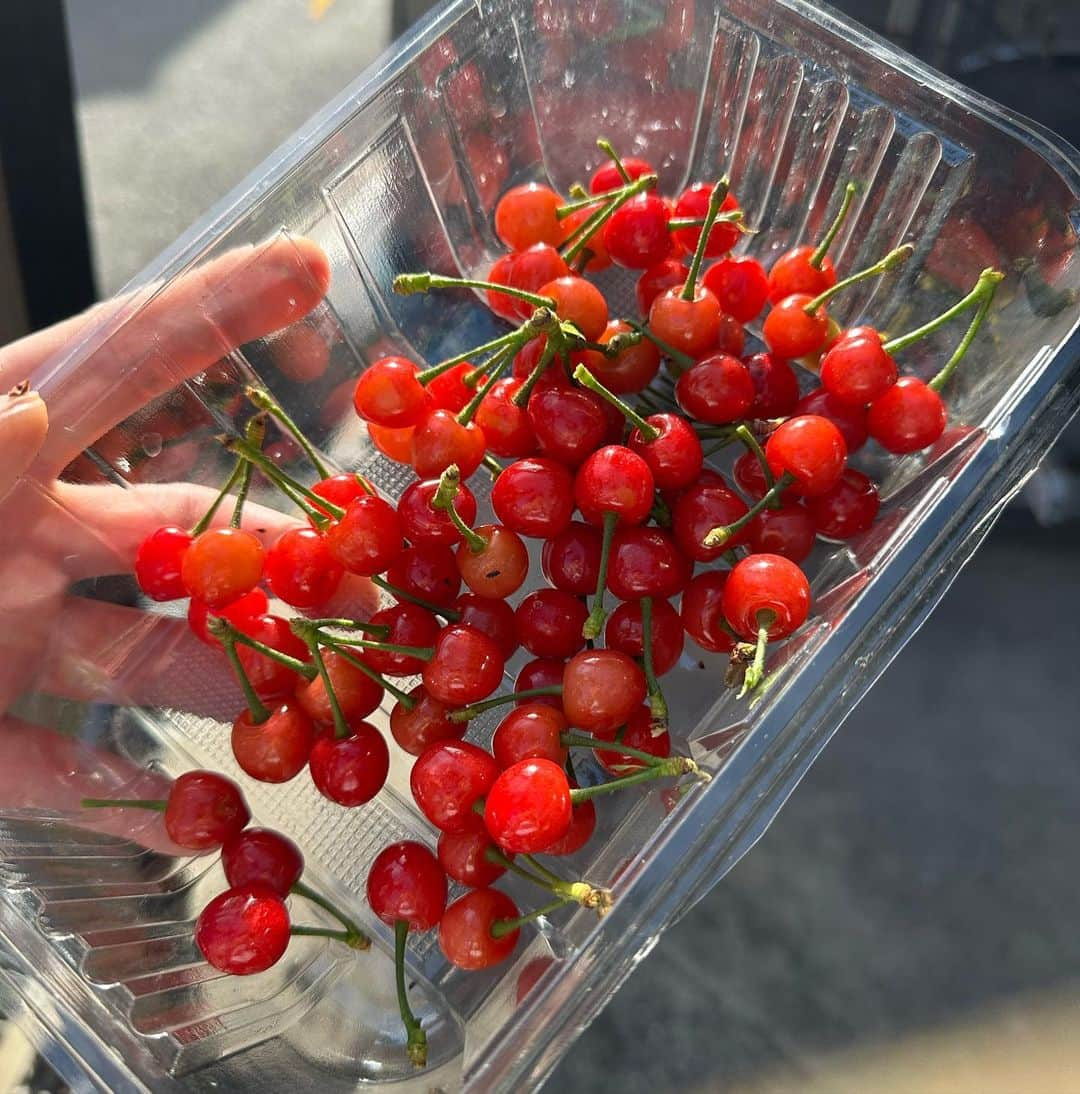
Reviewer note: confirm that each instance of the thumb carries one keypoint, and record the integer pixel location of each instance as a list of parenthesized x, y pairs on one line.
[(24, 422)]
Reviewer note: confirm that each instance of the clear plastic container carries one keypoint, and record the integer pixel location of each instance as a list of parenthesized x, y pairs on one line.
[(400, 173)]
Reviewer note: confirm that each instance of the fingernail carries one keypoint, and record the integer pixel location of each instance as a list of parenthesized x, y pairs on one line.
[(18, 400), (20, 389)]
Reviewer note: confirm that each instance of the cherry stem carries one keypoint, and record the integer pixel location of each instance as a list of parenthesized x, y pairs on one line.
[(262, 398), (362, 942), (520, 397), (746, 435), (619, 343), (310, 635), (755, 671), (593, 199), (734, 216), (648, 432), (380, 630), (594, 223), (342, 650), (539, 867), (892, 261), (494, 468), (415, 1038), (717, 537), (443, 499), (581, 892), (671, 766), (419, 601), (494, 369), (347, 937), (657, 703), (124, 803), (594, 624), (608, 149), (683, 360), (505, 926), (987, 283), (827, 240), (716, 199), (435, 371), (660, 513), (255, 433), (582, 740), (259, 711), (221, 628), (313, 506), (424, 653), (407, 284), (577, 191), (222, 494), (473, 710), (942, 378)]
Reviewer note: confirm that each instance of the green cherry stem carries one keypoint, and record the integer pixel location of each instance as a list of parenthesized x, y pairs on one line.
[(594, 223), (608, 149), (682, 360), (746, 435), (506, 926), (256, 707), (716, 199), (827, 240), (254, 434), (443, 499), (584, 377), (520, 397), (987, 283), (380, 630), (221, 628), (407, 284), (310, 635), (227, 488), (735, 216), (673, 766), (435, 371), (574, 739), (312, 505), (942, 378), (262, 398), (347, 937), (343, 651), (717, 537), (594, 624), (415, 1037), (892, 261), (657, 703), (755, 671), (581, 892), (423, 653), (494, 372), (363, 942), (474, 710), (419, 601), (592, 199)]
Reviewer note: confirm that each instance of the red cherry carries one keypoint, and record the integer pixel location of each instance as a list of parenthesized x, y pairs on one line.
[(787, 531), (850, 420), (909, 417), (406, 882), (449, 391), (352, 770), (766, 591), (694, 202), (646, 562), (463, 855), (631, 370), (502, 305), (395, 444), (467, 666), (221, 565), (500, 569), (268, 677), (750, 476), (776, 387), (811, 450), (203, 810), (410, 625), (638, 734), (342, 490), (740, 285), (579, 302), (856, 368), (601, 689), (636, 235), (158, 563), (241, 613), (414, 730), (429, 572), (703, 612), (388, 394), (792, 273), (532, 269), (614, 480), (571, 560), (656, 280), (569, 423), (528, 806), (465, 936), (534, 497), (276, 750), (549, 623), (300, 569), (608, 177), (624, 632), (717, 390), (706, 504), (506, 427), (260, 856), (358, 695), (368, 537), (849, 508), (448, 779), (243, 930), (440, 440), (420, 523), (491, 616), (544, 672), (675, 456), (732, 337), (530, 731), (527, 214), (691, 326), (528, 357), (582, 826), (789, 331)]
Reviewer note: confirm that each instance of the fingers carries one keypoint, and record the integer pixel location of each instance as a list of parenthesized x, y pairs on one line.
[(24, 424), (165, 336)]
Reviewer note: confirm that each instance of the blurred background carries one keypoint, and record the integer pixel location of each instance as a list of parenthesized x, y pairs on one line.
[(909, 922)]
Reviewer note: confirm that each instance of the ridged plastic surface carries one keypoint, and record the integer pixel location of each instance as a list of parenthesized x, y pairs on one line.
[(402, 173)]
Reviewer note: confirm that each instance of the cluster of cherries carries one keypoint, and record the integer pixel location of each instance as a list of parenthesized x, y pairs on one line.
[(626, 507)]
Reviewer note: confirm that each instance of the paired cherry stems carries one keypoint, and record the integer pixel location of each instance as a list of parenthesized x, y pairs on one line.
[(980, 298), (584, 377), (254, 434), (717, 537), (827, 240), (580, 892), (226, 489), (613, 201), (892, 261), (428, 605), (262, 399), (594, 622), (716, 199), (682, 361), (658, 707)]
